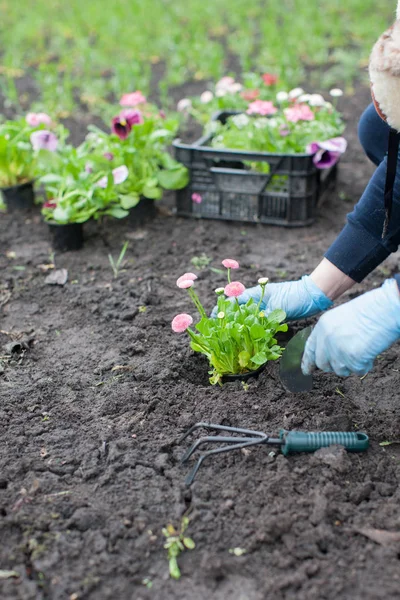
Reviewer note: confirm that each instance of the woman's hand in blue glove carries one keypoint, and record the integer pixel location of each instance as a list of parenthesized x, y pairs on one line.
[(299, 299), (348, 338)]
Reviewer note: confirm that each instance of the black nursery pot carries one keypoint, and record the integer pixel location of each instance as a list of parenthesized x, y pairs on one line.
[(19, 197), (144, 211), (67, 237), (244, 376)]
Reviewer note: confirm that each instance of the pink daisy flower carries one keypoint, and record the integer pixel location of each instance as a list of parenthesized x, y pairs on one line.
[(234, 289), (181, 322), (186, 277), (299, 112), (229, 263), (197, 199), (133, 99), (261, 107)]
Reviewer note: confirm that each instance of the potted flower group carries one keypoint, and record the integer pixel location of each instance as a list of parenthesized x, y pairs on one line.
[(20, 143), (140, 135), (257, 117), (240, 339)]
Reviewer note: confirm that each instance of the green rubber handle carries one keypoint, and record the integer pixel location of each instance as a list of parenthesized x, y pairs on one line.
[(301, 441)]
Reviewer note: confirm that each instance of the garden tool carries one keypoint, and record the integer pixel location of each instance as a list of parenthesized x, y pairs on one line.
[(290, 371), (384, 72), (288, 442)]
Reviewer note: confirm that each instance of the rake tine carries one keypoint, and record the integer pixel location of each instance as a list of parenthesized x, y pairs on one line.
[(213, 439), (214, 427), (190, 477)]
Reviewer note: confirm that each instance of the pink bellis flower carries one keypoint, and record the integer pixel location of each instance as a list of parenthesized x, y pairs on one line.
[(119, 176), (186, 277), (261, 107), (229, 263), (197, 199), (181, 322), (44, 140), (133, 99), (234, 289), (184, 284), (326, 154), (35, 119), (299, 112)]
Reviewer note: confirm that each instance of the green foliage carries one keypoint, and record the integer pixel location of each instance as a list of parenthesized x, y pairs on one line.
[(116, 265), (240, 339), (176, 543)]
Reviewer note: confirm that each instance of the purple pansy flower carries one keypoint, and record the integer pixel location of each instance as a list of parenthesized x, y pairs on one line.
[(44, 140), (326, 154)]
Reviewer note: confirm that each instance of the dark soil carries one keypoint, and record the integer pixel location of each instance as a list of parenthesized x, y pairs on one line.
[(95, 389)]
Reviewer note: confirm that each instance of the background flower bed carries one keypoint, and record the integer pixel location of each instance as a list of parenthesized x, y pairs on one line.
[(89, 415), (75, 55)]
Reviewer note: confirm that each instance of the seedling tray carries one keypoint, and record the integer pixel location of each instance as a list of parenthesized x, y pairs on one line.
[(288, 195)]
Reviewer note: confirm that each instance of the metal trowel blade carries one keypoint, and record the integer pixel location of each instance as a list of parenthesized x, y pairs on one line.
[(291, 374)]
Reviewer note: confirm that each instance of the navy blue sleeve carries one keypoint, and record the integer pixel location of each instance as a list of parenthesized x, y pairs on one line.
[(359, 248)]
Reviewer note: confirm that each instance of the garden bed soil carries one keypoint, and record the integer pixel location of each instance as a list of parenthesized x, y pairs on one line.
[(95, 389)]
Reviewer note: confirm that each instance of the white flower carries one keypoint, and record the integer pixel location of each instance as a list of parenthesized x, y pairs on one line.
[(184, 105), (282, 96), (328, 105), (227, 85), (263, 122), (304, 98), (263, 280), (241, 121), (316, 100), (336, 93), (221, 315), (206, 97), (295, 93), (219, 291)]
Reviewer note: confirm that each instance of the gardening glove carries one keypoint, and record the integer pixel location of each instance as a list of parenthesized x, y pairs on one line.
[(348, 338), (299, 299)]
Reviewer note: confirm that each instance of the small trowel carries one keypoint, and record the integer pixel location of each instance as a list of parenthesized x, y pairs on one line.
[(291, 374)]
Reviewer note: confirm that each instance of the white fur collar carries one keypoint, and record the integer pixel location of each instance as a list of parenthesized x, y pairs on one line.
[(384, 70)]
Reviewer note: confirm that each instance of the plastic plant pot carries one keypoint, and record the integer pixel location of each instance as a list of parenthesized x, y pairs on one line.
[(244, 376), (67, 237), (144, 211), (19, 197)]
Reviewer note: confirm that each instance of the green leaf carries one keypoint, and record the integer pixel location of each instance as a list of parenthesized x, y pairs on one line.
[(244, 358), (276, 316), (174, 570), (116, 212), (259, 359), (152, 192), (50, 178), (257, 332), (129, 200), (189, 543), (174, 179)]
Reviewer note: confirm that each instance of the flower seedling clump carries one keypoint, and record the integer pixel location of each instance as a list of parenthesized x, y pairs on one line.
[(176, 543), (238, 338)]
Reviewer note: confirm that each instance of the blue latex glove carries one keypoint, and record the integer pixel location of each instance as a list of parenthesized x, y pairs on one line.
[(348, 338), (299, 299)]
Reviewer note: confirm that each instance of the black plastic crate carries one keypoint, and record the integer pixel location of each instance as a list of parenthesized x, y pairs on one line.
[(288, 195)]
